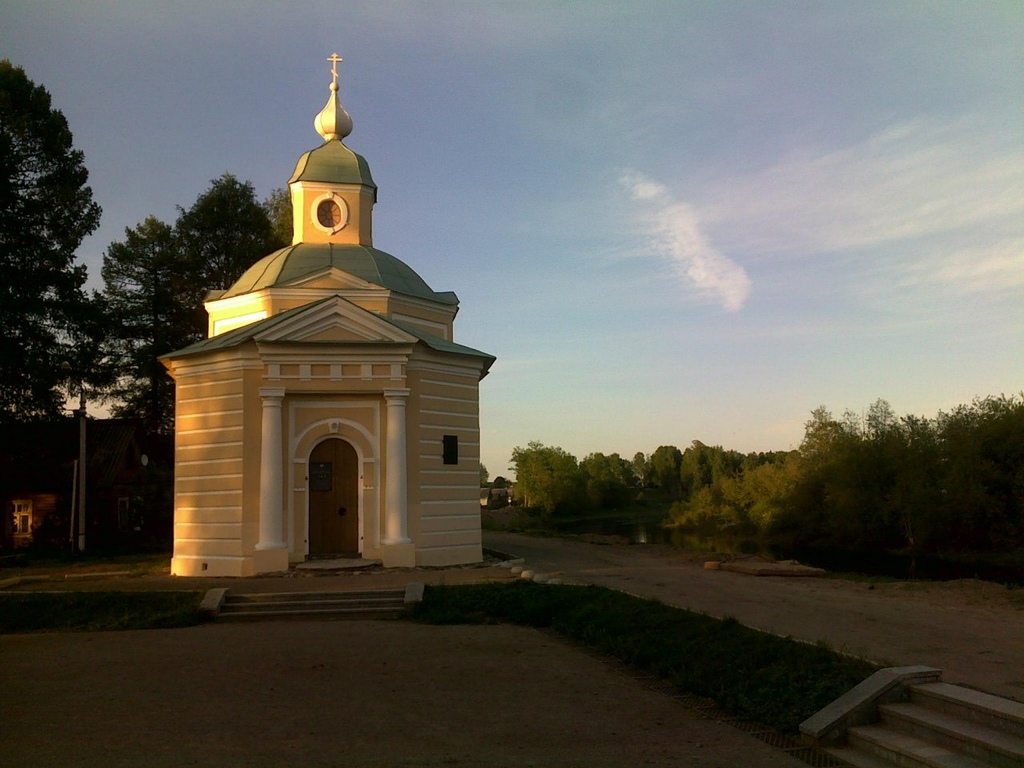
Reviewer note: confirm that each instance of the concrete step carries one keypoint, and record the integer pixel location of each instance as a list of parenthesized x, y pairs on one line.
[(309, 605), (951, 731), (312, 599), (895, 748), (856, 758), (312, 614), (257, 597), (992, 711), (313, 605)]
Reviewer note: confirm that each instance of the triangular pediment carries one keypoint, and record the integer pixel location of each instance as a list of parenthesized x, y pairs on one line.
[(335, 320), (332, 279)]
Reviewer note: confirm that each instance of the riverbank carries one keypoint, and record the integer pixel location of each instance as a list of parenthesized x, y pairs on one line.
[(968, 628)]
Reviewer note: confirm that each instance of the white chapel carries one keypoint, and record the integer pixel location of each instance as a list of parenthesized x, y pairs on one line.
[(330, 412)]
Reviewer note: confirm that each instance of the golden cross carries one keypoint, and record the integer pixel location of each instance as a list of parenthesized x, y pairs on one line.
[(334, 59)]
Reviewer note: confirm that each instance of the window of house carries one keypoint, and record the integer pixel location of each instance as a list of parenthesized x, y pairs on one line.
[(21, 520), (124, 513)]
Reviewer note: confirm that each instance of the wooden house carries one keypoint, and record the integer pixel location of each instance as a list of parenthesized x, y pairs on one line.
[(128, 482)]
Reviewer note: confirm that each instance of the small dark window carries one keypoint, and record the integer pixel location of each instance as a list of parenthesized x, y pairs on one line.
[(450, 444)]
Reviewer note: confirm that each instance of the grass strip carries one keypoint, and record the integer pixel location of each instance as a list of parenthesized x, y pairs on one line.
[(97, 611), (755, 675)]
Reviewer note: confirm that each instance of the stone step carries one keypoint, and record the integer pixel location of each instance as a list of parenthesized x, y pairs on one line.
[(989, 745), (257, 598), (991, 711), (362, 604), (856, 758), (312, 614), (903, 749), (266, 606)]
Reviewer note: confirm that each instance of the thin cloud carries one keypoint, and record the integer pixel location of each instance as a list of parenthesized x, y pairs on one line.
[(973, 270), (916, 181), (674, 230)]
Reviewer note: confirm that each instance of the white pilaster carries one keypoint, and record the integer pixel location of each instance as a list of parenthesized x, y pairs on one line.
[(271, 551), (396, 524)]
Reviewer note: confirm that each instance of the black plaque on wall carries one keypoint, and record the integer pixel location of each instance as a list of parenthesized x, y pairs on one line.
[(320, 476), (450, 449)]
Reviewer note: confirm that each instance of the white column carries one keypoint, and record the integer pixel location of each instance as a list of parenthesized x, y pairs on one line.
[(271, 471), (396, 529)]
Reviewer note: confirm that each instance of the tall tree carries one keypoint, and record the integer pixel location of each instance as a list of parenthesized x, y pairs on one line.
[(46, 210), (278, 206), (642, 469), (224, 232), (157, 279), (610, 480), (548, 478), (146, 319), (665, 465)]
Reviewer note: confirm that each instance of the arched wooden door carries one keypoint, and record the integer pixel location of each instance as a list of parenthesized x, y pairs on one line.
[(333, 499)]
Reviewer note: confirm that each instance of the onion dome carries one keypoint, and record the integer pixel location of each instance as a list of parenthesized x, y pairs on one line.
[(332, 162)]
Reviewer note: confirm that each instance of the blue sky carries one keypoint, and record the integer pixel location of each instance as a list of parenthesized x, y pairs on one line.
[(669, 221)]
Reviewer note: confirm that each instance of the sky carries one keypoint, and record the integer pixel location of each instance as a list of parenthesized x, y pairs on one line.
[(669, 221)]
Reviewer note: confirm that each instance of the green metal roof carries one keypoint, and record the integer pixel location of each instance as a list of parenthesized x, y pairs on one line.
[(238, 336), (246, 333), (367, 263), (438, 344), (334, 163)]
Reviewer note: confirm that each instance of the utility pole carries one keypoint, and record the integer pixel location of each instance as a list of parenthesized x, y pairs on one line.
[(81, 470)]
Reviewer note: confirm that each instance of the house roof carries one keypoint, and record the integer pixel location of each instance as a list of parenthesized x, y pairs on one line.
[(38, 456), (369, 264)]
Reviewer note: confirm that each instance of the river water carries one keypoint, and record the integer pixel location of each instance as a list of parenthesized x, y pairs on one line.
[(900, 565), (647, 530)]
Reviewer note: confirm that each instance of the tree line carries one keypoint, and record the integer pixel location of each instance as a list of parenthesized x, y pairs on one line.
[(871, 481), (58, 338)]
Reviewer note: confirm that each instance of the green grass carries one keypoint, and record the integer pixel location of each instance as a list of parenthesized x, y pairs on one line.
[(775, 681), (42, 564), (97, 611)]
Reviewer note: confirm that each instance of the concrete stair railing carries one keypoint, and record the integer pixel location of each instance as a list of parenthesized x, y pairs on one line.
[(906, 717), (224, 605)]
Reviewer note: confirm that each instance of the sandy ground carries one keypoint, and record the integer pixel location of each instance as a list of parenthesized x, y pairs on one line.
[(396, 694), (342, 694), (972, 630)]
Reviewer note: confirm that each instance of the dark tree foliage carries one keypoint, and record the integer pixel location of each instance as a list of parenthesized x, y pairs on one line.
[(664, 466), (143, 285), (981, 455), (642, 469), (156, 282), (701, 466), (610, 481), (225, 232), (278, 206), (953, 483), (46, 210)]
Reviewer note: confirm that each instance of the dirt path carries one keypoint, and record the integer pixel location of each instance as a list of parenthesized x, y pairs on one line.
[(397, 694), (341, 694), (973, 631)]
